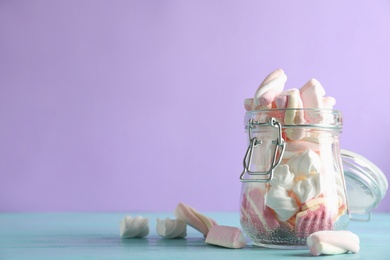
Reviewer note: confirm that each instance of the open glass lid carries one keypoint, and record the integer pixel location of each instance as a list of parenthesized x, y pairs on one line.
[(366, 183)]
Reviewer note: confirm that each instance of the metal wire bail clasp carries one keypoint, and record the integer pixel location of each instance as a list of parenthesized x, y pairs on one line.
[(280, 146)]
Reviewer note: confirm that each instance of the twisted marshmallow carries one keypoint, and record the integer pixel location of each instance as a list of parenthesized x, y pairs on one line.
[(194, 219), (271, 86), (171, 228), (284, 206), (134, 227), (333, 242)]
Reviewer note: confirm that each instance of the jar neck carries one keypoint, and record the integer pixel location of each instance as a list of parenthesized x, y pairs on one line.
[(300, 117)]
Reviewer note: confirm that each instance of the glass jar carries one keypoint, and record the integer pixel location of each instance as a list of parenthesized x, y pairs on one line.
[(293, 182)]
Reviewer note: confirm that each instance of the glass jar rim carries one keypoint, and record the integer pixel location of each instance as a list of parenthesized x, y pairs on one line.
[(324, 118)]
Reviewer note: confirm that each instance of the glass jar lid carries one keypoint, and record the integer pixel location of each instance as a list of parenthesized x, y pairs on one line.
[(366, 183)]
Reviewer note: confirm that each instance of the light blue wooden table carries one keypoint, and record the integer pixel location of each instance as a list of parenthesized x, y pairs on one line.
[(96, 236)]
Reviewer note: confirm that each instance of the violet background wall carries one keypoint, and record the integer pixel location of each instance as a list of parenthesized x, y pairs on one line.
[(138, 105)]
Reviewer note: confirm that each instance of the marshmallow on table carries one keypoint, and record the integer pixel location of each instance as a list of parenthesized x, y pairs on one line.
[(284, 206), (329, 242), (134, 227), (193, 218), (171, 228), (271, 86), (225, 236)]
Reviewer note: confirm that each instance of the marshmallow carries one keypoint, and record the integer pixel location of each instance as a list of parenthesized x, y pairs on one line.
[(134, 227), (329, 242), (308, 189), (312, 93), (312, 203), (268, 97), (271, 86), (171, 228), (281, 100), (248, 104), (193, 218), (302, 145), (283, 177), (230, 237), (294, 147), (306, 163), (293, 116), (313, 219), (284, 206), (255, 213), (291, 101), (328, 102)]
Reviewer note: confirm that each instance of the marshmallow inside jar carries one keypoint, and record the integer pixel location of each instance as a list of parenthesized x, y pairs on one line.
[(292, 183)]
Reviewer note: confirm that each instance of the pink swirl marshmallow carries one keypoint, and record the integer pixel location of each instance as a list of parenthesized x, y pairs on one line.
[(271, 86), (329, 242), (194, 219), (225, 236)]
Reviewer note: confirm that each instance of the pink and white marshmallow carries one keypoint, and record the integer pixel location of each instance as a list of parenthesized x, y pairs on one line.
[(312, 94), (193, 218), (134, 227), (329, 242), (171, 228), (328, 102), (255, 213), (225, 236), (271, 86)]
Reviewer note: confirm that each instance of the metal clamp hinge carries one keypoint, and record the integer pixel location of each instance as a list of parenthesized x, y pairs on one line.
[(280, 146)]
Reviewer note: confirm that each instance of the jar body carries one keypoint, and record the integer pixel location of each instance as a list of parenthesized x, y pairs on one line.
[(305, 192)]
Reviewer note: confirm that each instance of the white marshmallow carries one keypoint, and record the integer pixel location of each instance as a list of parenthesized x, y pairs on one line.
[(308, 189), (330, 242), (134, 227), (284, 206), (283, 177), (171, 228), (306, 163)]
